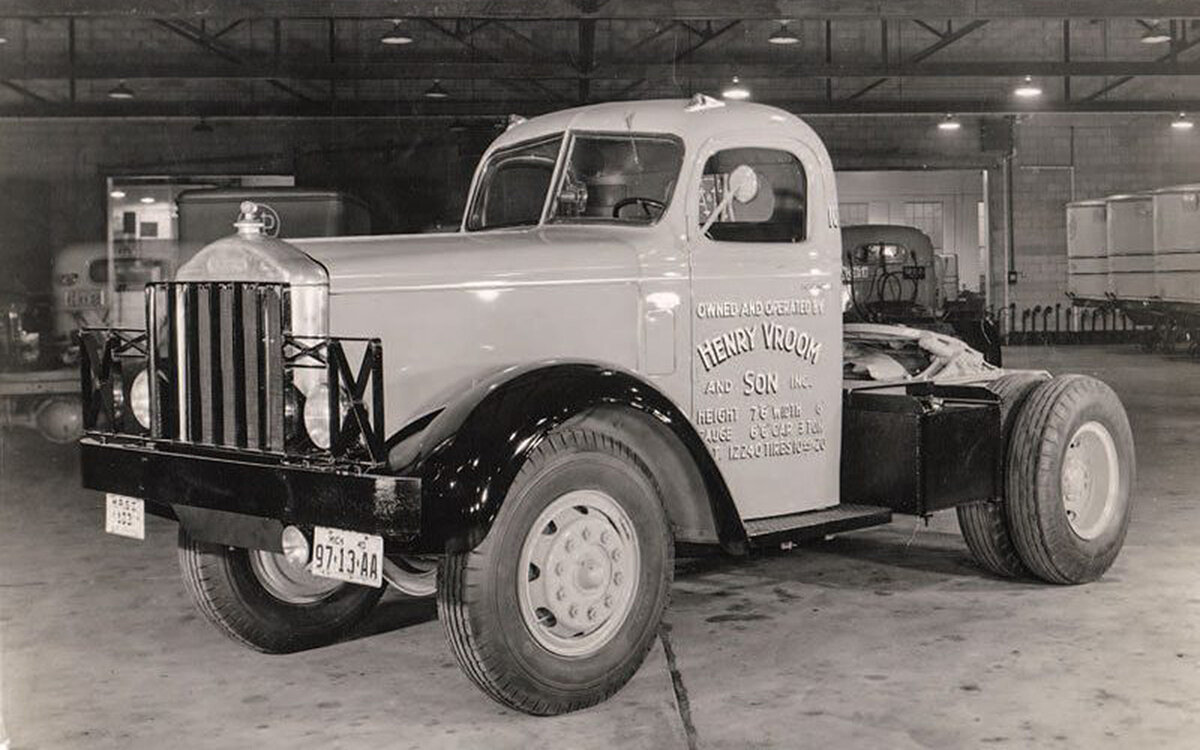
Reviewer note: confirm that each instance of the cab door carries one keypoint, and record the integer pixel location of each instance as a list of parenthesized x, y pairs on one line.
[(766, 321)]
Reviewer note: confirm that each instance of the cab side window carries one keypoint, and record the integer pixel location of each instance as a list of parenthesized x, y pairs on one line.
[(778, 211)]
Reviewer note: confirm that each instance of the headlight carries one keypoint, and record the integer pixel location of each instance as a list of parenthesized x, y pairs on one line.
[(316, 414), (139, 399)]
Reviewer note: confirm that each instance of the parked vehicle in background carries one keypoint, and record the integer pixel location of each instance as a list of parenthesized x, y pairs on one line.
[(892, 275)]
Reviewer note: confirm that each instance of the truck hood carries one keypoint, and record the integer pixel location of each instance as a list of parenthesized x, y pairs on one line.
[(476, 260)]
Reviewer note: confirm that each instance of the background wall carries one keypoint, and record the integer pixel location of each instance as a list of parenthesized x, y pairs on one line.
[(956, 193)]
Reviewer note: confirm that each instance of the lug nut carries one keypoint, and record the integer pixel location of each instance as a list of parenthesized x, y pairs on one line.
[(573, 611), (587, 534), (616, 555), (591, 613), (604, 537), (570, 545), (560, 594), (617, 578), (558, 569), (608, 601)]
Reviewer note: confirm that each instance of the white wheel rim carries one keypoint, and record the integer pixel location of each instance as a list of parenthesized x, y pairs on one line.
[(287, 581), (578, 574), (1091, 480)]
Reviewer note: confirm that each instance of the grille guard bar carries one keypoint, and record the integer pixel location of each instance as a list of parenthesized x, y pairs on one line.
[(207, 340)]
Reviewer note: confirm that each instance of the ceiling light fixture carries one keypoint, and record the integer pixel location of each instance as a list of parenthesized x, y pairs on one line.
[(3, 40), (1155, 34), (949, 123), (397, 35), (436, 91), (120, 91), (1027, 89), (147, 200), (783, 35), (118, 194), (1182, 122), (736, 91)]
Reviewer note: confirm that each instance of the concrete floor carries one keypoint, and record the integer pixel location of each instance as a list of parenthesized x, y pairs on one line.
[(886, 638)]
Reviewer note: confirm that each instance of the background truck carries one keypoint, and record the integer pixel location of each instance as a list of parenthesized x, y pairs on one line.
[(633, 346), (892, 275)]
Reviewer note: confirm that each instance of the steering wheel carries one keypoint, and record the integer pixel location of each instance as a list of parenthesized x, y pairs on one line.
[(645, 203)]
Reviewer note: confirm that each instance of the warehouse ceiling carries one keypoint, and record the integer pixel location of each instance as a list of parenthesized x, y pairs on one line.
[(470, 58)]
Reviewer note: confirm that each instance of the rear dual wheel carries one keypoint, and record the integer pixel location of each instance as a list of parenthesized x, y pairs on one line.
[(1069, 470)]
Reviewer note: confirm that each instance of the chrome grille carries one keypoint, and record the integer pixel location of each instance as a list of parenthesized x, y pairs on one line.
[(218, 377)]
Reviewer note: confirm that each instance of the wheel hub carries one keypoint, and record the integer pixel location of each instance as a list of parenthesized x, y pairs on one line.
[(287, 581), (1090, 480), (580, 561)]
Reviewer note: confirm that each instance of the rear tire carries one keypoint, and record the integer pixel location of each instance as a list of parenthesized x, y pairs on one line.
[(983, 524), (1070, 476), (240, 592), (555, 610)]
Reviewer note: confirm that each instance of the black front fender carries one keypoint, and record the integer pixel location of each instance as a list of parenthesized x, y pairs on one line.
[(468, 454)]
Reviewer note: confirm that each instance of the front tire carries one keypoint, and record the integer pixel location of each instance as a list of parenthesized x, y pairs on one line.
[(264, 602), (1070, 479), (555, 610)]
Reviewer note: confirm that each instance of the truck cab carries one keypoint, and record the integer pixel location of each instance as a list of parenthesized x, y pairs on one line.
[(633, 345)]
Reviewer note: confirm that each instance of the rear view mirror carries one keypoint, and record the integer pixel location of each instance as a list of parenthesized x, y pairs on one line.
[(742, 187), (743, 183)]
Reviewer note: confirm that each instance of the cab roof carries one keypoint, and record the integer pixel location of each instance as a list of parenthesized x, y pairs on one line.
[(694, 120)]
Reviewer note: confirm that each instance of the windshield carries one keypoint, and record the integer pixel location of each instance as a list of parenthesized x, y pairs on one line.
[(513, 188), (622, 178)]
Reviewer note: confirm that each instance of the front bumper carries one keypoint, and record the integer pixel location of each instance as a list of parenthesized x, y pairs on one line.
[(247, 486)]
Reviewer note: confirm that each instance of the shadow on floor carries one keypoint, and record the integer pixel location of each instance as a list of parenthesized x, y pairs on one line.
[(392, 614), (891, 556)]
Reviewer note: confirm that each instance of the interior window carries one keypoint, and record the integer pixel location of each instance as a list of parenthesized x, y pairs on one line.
[(514, 186), (777, 211), (618, 178)]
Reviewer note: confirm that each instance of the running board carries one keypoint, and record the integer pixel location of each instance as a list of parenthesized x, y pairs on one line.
[(815, 524)]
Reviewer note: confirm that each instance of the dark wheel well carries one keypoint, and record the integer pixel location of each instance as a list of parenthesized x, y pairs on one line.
[(692, 505)]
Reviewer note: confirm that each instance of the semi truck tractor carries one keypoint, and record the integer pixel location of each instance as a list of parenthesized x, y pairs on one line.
[(633, 348)]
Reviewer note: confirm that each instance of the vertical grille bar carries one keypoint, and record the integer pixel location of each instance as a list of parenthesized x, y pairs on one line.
[(191, 342), (205, 398), (156, 416), (251, 344), (225, 330), (272, 407), (238, 341), (170, 399), (179, 356)]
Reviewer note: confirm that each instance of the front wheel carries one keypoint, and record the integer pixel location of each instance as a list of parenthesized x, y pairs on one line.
[(262, 600), (555, 610), (1070, 479)]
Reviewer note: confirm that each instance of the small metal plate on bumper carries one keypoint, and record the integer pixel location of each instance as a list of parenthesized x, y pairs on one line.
[(347, 556), (125, 516)]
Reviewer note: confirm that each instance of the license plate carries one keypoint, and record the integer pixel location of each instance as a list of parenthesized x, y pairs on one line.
[(84, 298), (125, 516), (347, 556)]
